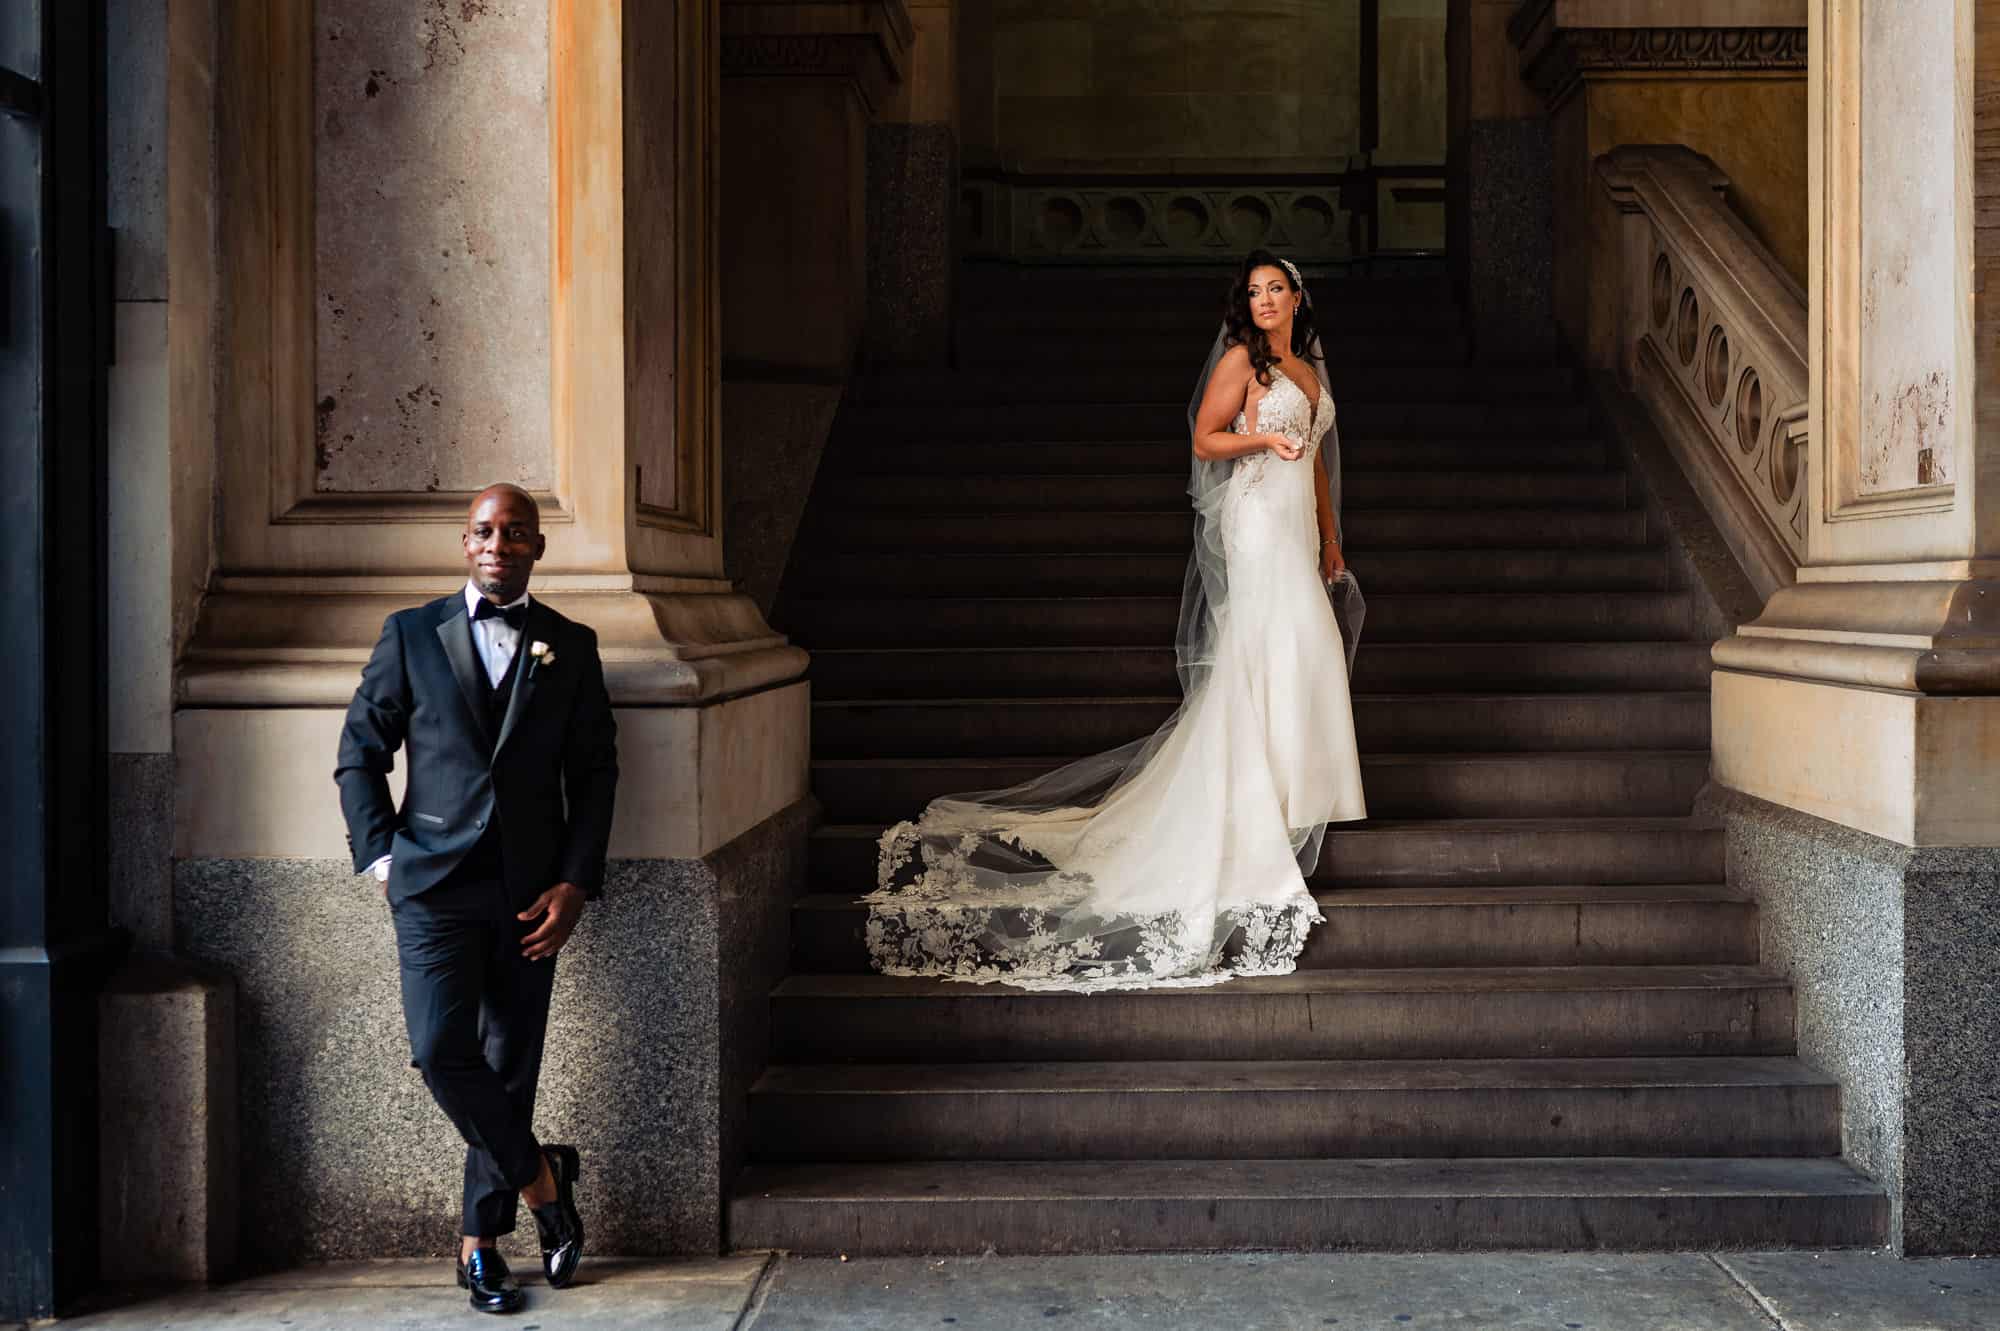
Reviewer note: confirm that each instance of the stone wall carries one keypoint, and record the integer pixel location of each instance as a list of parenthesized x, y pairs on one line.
[(1753, 129), (1497, 185), (1182, 78), (1726, 80), (657, 1029), (1890, 950)]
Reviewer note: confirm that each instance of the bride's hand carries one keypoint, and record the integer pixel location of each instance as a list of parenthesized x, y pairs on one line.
[(1286, 449), (1331, 563)]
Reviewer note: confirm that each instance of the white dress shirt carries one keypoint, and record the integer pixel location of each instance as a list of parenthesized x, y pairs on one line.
[(496, 642)]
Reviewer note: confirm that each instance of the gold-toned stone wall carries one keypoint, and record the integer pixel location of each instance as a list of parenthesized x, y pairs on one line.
[(1754, 130), (1119, 81)]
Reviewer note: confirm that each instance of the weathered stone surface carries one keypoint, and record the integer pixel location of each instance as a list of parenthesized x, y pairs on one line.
[(432, 285), (656, 1022)]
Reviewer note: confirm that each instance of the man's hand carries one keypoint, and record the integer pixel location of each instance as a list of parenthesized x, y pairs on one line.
[(562, 904)]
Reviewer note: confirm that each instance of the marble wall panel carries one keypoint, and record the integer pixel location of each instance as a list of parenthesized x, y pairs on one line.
[(431, 224), (1909, 144)]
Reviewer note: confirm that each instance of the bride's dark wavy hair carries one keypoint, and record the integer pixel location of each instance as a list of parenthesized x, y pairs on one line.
[(1243, 330)]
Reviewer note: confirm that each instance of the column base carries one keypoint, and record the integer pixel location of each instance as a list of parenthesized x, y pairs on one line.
[(1889, 949), (657, 1030), (167, 1142)]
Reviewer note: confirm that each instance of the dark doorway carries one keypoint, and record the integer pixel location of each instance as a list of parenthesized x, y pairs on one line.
[(55, 945)]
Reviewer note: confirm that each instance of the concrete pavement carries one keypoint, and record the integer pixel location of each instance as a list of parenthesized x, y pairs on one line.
[(1789, 1291)]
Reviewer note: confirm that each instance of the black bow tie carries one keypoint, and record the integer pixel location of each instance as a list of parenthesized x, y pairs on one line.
[(515, 615)]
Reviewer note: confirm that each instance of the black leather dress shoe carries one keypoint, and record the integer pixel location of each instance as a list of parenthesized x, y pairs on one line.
[(492, 1285), (558, 1223)]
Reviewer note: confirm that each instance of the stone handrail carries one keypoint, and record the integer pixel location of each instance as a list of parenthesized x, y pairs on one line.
[(1712, 338)]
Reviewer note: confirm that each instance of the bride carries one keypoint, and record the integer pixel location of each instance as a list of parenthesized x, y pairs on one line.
[(1179, 859)]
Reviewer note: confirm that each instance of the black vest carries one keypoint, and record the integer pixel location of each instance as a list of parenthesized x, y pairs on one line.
[(482, 862), (498, 695)]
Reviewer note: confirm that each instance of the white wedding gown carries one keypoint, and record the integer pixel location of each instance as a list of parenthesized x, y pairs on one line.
[(1189, 867)]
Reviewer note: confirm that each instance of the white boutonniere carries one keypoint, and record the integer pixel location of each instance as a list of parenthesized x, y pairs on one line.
[(543, 654)]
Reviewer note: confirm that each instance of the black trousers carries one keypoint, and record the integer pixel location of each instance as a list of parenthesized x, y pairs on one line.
[(477, 1011)]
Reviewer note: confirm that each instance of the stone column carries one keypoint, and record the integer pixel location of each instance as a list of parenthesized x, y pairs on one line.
[(803, 80), (1497, 186), (1857, 720), (1725, 78), (167, 1186), (462, 245)]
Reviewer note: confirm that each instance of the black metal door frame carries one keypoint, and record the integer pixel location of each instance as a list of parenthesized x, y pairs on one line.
[(55, 940)]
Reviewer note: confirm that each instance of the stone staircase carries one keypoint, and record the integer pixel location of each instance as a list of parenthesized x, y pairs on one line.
[(1534, 1018)]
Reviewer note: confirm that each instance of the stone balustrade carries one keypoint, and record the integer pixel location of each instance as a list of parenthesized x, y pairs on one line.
[(1201, 215), (1711, 335)]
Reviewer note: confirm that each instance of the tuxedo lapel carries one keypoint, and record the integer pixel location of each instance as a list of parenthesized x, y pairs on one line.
[(525, 672), (456, 635)]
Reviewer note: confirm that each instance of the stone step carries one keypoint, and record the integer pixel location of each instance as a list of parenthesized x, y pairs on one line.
[(1167, 418), (1138, 621), (1161, 381), (1384, 723), (1365, 530), (857, 454), (1399, 785), (1305, 1205), (1332, 1109), (1012, 491), (1419, 852), (1161, 573), (1381, 927), (1515, 667), (1451, 1012)]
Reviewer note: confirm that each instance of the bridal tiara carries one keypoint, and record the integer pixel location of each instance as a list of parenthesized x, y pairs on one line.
[(1297, 279)]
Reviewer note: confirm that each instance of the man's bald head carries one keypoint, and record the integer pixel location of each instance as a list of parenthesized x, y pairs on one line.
[(505, 490), (503, 539)]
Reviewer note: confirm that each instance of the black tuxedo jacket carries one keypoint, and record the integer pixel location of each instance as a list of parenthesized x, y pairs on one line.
[(548, 775)]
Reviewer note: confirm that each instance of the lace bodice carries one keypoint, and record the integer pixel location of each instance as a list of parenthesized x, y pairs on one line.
[(1288, 411)]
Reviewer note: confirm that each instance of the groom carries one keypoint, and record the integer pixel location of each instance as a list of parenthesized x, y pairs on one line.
[(500, 704)]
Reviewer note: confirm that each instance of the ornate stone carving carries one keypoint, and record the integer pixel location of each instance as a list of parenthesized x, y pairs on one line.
[(864, 41), (1566, 57), (1091, 219), (790, 53), (1714, 343)]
